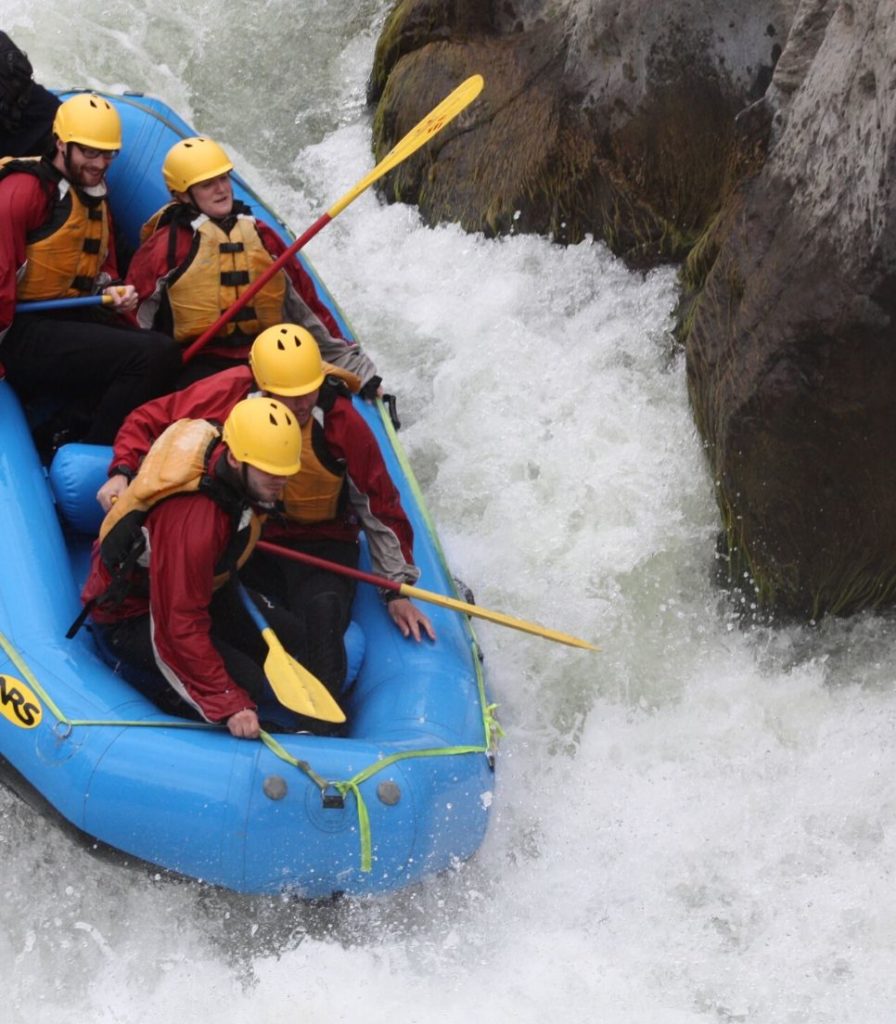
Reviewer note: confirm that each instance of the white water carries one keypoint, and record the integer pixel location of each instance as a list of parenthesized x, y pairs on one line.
[(696, 825)]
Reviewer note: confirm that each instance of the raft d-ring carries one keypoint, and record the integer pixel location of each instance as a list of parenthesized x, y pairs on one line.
[(331, 798), (62, 730)]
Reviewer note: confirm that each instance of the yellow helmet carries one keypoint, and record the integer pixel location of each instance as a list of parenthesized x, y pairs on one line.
[(193, 160), (89, 120), (264, 433), (285, 360)]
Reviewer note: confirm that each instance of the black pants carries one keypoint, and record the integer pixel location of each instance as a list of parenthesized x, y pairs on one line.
[(90, 362), (322, 598), (127, 646)]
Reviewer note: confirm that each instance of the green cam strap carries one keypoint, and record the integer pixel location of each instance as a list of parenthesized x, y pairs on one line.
[(63, 719), (491, 727), (353, 784)]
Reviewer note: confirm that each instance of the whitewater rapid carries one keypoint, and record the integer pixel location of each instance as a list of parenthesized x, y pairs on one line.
[(695, 825)]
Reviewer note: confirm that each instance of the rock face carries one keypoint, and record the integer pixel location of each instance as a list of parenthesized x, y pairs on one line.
[(611, 119), (790, 339), (758, 147)]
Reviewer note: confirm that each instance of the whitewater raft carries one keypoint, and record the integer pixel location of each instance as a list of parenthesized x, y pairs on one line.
[(404, 794)]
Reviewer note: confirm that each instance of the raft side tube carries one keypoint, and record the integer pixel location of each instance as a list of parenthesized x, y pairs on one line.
[(194, 800)]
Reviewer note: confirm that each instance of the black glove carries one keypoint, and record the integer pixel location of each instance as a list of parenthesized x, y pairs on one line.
[(368, 392)]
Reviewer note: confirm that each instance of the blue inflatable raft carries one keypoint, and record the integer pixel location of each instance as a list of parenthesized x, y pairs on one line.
[(405, 794)]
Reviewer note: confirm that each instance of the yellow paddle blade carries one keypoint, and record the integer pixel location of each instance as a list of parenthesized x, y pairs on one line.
[(294, 686), (505, 620), (431, 125)]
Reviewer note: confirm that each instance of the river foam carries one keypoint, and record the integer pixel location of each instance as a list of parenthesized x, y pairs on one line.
[(694, 825)]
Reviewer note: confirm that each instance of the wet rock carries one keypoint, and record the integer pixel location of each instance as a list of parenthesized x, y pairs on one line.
[(789, 326), (611, 120), (758, 147)]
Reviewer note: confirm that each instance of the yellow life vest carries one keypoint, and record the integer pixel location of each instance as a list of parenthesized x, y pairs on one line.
[(64, 255), (220, 267), (177, 463), (315, 493), (150, 226), (312, 495)]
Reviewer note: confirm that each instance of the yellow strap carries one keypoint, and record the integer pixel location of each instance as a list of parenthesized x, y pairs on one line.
[(30, 678), (493, 729), (35, 685), (353, 784), (344, 786)]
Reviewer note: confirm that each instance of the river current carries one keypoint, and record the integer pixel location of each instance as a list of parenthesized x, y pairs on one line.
[(695, 825)]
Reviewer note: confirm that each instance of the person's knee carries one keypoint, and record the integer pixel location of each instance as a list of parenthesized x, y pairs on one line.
[(327, 616), (325, 613)]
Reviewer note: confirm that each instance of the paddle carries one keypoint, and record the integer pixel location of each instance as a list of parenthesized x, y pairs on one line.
[(428, 595), (293, 685), (39, 305), (433, 123)]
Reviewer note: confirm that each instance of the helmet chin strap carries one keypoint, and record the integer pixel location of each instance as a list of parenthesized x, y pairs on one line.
[(69, 173), (226, 222), (244, 480), (235, 474), (247, 490)]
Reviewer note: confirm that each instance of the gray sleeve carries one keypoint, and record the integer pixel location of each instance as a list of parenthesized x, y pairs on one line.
[(386, 556)]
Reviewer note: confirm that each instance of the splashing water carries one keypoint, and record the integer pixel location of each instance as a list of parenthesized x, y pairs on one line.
[(695, 825)]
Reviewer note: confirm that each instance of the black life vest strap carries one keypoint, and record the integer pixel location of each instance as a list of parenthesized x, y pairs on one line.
[(114, 594), (83, 284), (234, 278), (72, 630)]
